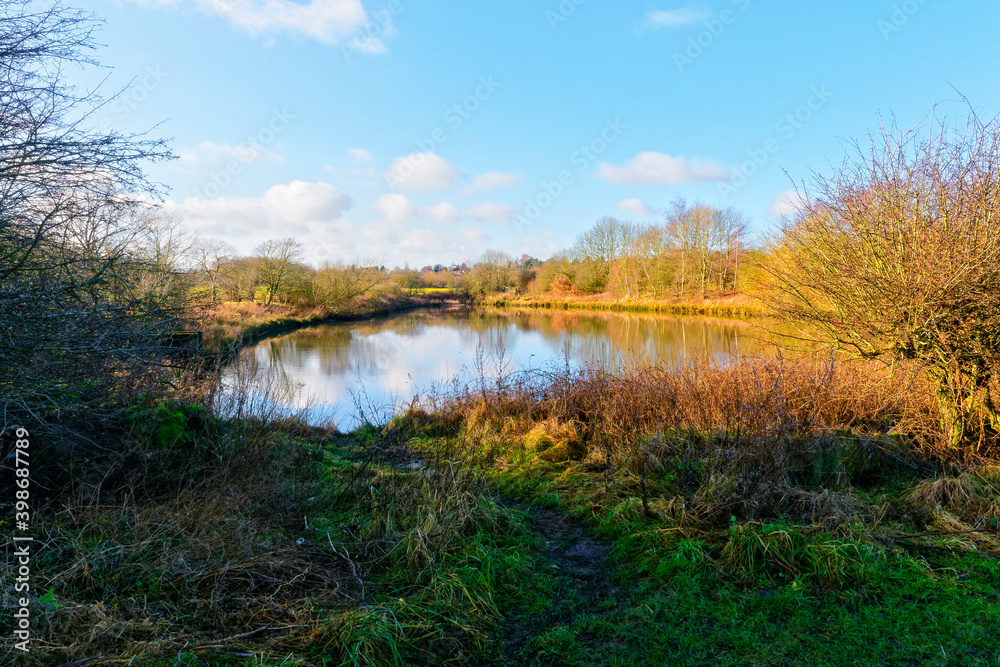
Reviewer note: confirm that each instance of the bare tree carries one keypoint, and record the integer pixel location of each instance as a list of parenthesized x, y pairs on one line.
[(75, 328), (897, 256), (275, 261), (337, 285), (603, 244), (160, 249), (682, 233), (733, 226), (210, 257), (494, 272), (238, 278)]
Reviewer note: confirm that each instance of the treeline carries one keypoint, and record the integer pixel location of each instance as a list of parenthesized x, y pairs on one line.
[(697, 251), (275, 273)]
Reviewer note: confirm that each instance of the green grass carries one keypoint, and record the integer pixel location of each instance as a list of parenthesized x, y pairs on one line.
[(214, 540), (878, 588), (709, 598), (494, 532)]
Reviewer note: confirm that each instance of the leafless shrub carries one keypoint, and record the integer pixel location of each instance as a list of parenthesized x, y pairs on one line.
[(897, 256), (83, 304)]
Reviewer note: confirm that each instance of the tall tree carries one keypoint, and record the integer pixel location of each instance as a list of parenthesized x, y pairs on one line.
[(74, 324), (210, 257), (276, 258)]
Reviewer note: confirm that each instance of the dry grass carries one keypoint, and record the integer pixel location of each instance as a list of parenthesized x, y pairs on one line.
[(267, 538), (226, 324), (754, 439)]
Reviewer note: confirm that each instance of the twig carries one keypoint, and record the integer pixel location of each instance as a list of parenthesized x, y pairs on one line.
[(346, 556), (991, 531), (244, 635)]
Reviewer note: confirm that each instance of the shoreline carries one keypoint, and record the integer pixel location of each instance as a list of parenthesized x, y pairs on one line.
[(229, 345), (709, 307)]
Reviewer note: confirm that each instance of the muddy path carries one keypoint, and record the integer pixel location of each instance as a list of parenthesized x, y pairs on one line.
[(579, 569)]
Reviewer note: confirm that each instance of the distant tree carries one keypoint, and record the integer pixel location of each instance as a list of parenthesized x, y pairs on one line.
[(275, 259), (408, 279), (681, 232), (733, 230), (337, 285), (529, 262), (897, 256), (161, 248), (210, 257), (598, 248), (557, 273), (238, 278), (494, 272)]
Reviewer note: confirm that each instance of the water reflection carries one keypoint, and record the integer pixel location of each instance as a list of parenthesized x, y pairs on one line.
[(385, 362)]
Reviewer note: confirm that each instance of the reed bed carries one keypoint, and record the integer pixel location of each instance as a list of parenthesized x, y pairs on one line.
[(799, 461)]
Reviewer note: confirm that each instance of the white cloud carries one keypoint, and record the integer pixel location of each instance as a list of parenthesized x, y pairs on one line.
[(492, 180), (313, 213), (328, 21), (430, 246), (210, 151), (674, 18), (490, 212), (442, 212), (787, 203), (421, 171), (395, 207), (307, 201), (636, 207), (652, 167), (360, 155), (283, 210)]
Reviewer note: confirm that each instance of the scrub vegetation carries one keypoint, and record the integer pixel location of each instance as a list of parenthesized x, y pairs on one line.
[(836, 506)]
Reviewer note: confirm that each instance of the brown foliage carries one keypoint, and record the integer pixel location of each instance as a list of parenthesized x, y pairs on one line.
[(897, 256)]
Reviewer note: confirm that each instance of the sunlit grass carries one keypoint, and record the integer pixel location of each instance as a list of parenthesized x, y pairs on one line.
[(769, 512)]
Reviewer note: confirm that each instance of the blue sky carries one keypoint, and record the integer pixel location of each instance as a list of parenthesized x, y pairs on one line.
[(425, 132)]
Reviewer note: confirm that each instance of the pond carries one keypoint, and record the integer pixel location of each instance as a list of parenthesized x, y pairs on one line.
[(346, 373)]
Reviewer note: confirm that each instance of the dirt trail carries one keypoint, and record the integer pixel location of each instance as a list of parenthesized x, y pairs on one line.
[(582, 567)]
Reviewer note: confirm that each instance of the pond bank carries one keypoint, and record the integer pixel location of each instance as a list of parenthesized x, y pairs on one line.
[(229, 327), (738, 306)]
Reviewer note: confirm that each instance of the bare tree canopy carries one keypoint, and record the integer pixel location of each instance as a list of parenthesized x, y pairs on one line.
[(276, 257), (494, 272), (73, 319), (897, 255)]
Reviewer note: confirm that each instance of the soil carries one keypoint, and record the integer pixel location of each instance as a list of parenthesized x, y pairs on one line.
[(582, 568)]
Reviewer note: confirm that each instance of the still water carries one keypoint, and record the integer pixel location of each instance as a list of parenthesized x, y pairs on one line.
[(344, 373)]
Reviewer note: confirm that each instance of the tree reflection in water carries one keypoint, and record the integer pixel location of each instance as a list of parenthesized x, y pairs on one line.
[(388, 361)]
